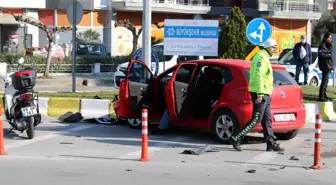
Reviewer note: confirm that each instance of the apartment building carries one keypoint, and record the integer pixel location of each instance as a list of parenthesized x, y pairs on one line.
[(289, 18)]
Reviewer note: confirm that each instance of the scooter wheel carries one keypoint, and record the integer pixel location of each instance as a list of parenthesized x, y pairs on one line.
[(30, 128)]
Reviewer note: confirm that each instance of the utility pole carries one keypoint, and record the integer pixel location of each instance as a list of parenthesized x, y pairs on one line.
[(147, 32)]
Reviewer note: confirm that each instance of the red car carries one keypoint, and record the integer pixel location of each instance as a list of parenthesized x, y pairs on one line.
[(209, 94)]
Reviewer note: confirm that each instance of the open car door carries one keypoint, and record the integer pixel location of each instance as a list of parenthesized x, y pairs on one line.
[(135, 91), (178, 90)]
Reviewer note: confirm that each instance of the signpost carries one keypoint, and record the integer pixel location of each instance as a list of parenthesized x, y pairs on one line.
[(191, 37), (74, 15), (258, 31)]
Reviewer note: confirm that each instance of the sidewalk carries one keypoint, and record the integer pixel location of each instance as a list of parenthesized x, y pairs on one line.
[(63, 83)]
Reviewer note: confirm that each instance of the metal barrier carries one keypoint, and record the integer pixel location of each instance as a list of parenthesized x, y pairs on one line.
[(289, 6)]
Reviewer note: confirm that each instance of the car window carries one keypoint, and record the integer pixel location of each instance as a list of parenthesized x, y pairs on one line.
[(280, 77), (187, 58), (168, 76), (158, 50), (138, 72), (288, 58), (225, 73), (91, 49), (184, 73)]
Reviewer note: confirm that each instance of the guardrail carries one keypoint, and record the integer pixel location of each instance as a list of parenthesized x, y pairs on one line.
[(177, 2), (289, 6)]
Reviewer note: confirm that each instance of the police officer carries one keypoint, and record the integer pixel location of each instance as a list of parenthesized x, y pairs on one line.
[(260, 87)]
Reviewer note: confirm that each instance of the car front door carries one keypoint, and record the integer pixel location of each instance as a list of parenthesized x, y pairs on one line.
[(136, 90), (178, 90)]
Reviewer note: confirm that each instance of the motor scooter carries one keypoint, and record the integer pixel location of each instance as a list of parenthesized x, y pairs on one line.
[(21, 101)]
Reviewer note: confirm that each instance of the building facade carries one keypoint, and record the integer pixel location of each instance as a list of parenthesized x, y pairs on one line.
[(289, 18)]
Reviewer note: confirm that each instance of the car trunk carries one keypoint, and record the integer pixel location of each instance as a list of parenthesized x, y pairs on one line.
[(286, 97)]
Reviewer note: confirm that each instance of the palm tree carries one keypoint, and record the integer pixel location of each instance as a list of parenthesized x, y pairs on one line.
[(89, 35)]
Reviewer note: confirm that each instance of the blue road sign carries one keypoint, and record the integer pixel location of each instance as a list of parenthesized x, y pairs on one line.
[(258, 31)]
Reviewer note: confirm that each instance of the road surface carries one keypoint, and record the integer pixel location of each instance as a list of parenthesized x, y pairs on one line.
[(86, 154)]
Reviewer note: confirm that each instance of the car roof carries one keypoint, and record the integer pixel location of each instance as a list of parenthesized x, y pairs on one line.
[(243, 64)]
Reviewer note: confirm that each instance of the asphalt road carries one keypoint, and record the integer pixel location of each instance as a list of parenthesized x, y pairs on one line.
[(86, 154)]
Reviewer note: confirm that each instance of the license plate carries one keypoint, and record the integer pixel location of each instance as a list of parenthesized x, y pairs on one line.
[(29, 111), (284, 117)]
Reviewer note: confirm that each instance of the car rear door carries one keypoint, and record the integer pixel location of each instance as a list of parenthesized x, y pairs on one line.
[(178, 90), (136, 90)]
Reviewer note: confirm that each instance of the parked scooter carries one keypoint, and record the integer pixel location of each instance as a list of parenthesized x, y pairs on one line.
[(21, 101)]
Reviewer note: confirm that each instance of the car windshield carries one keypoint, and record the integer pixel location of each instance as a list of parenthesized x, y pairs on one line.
[(91, 49), (280, 77), (288, 59)]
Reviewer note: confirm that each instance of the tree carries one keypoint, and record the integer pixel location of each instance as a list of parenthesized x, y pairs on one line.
[(326, 23), (232, 39), (50, 34), (136, 34), (89, 35)]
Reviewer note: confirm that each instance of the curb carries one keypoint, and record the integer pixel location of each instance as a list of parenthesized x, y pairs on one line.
[(93, 108), (89, 108)]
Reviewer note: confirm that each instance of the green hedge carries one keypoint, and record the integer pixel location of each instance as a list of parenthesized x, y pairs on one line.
[(65, 65)]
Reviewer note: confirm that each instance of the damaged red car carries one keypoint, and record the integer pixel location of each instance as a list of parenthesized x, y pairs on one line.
[(209, 94)]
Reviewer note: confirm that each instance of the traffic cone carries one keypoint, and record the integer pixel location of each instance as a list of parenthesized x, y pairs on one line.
[(2, 140), (144, 151)]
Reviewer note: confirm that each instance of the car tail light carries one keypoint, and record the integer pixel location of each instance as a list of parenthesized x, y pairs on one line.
[(246, 96), (301, 95), (26, 96)]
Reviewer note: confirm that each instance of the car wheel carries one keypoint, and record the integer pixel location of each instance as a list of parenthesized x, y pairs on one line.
[(223, 124), (313, 82), (134, 122), (287, 136)]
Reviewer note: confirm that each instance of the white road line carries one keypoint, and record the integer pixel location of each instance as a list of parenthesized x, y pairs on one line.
[(154, 148), (45, 137), (267, 157)]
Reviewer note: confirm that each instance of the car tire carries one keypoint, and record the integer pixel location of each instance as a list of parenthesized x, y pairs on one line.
[(134, 123), (223, 125), (313, 82), (287, 136)]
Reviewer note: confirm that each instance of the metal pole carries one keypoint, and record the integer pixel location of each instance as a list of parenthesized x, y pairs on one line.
[(147, 32), (74, 49)]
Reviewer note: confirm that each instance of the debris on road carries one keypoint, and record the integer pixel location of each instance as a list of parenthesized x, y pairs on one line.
[(293, 158), (281, 153), (201, 150), (66, 143), (251, 171), (272, 169), (128, 170), (70, 117), (283, 167)]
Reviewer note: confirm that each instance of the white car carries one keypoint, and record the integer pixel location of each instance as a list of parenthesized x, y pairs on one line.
[(165, 62), (314, 73)]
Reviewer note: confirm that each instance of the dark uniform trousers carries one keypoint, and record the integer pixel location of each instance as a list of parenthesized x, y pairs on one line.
[(261, 113)]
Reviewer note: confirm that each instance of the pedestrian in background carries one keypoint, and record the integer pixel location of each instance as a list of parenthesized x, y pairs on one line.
[(260, 87), (303, 57), (326, 64)]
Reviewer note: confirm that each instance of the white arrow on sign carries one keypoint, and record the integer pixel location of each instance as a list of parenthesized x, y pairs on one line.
[(255, 34)]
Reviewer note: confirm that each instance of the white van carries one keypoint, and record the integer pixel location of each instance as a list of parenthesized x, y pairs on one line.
[(165, 62), (314, 73)]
